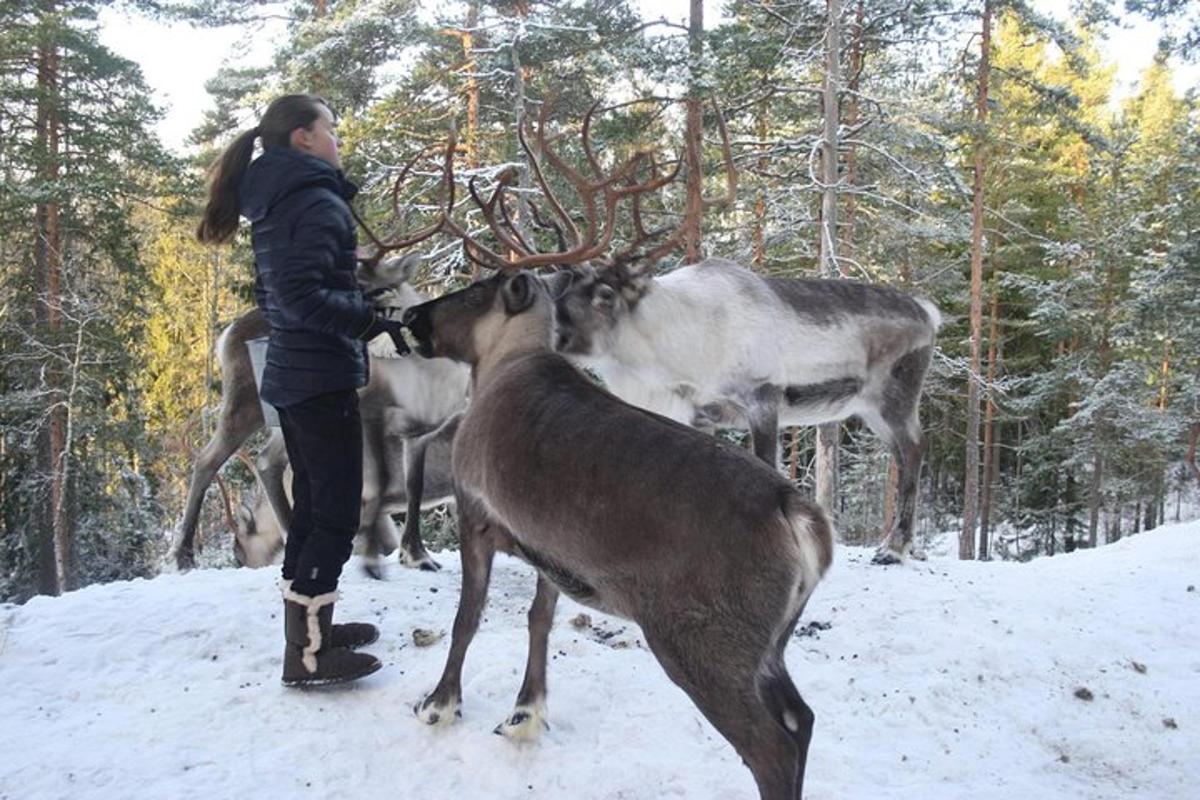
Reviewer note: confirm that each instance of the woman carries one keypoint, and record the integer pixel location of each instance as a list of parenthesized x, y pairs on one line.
[(296, 199)]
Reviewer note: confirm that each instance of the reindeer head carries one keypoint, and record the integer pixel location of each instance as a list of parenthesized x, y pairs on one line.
[(588, 300), (258, 538), (505, 312), (387, 282), (588, 303)]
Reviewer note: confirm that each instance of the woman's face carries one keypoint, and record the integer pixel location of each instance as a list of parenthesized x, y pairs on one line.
[(319, 139)]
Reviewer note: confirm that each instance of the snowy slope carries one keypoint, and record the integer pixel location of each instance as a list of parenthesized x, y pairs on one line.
[(935, 680)]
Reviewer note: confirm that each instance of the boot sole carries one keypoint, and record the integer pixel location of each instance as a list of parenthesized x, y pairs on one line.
[(303, 683)]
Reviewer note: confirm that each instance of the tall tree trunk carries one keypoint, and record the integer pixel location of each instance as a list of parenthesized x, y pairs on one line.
[(466, 36), (1190, 458), (471, 139), (56, 541), (794, 459), (829, 433), (1094, 496), (693, 246), (759, 231), (966, 539), (890, 488), (990, 450), (519, 99), (846, 240), (1099, 425), (1165, 375)]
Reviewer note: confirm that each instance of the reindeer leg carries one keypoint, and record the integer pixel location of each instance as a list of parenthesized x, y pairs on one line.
[(788, 709), (528, 719), (371, 509), (372, 548), (271, 464), (727, 688), (412, 549), (898, 542), (232, 430), (477, 548), (763, 416), (899, 412)]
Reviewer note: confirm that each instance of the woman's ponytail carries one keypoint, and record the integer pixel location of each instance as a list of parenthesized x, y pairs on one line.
[(220, 219), (282, 116)]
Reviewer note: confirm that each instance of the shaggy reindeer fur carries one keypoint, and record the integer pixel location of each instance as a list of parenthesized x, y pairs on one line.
[(710, 551)]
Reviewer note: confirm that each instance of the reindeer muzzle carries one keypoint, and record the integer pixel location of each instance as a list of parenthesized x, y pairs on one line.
[(419, 322)]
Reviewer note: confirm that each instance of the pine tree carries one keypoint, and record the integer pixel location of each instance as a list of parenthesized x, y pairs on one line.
[(78, 155)]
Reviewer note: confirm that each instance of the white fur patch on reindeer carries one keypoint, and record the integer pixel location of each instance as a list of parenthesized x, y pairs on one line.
[(434, 714), (525, 723), (382, 347)]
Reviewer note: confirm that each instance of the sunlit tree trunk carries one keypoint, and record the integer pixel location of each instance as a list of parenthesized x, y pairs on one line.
[(471, 138), (828, 434), (693, 246), (991, 450), (758, 236), (56, 537), (966, 539)]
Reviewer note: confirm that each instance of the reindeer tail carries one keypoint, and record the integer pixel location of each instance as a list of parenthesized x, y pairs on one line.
[(814, 538)]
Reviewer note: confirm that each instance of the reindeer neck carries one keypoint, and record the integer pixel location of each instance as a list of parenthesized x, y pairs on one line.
[(524, 335)]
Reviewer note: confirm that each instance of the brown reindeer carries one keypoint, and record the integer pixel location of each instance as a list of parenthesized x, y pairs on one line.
[(707, 548)]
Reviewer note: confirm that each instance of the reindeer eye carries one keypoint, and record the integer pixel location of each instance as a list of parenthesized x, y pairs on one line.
[(604, 295)]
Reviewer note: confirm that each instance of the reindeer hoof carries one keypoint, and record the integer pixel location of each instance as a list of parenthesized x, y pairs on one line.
[(374, 568), (885, 556), (185, 561), (422, 561), (433, 713), (525, 724)]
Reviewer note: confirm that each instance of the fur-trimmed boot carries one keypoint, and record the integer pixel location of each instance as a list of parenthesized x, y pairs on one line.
[(345, 634), (309, 657)]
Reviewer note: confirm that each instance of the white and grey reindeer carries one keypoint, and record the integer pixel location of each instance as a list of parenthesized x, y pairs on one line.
[(260, 535), (715, 345), (710, 551), (406, 400)]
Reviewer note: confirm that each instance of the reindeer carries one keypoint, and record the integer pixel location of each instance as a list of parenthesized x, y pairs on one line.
[(713, 553), (714, 345), (259, 535), (406, 399)]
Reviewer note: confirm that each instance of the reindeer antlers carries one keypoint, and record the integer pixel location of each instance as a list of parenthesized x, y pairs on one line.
[(597, 190)]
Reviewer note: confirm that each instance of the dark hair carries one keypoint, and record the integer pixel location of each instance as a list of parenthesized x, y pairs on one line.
[(283, 116)]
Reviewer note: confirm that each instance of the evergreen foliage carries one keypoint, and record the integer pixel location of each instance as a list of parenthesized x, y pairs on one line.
[(1091, 248)]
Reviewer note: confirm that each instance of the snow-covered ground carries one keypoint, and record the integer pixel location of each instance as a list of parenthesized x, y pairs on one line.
[(933, 680)]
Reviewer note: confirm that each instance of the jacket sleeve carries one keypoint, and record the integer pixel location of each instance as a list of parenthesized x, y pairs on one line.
[(308, 288)]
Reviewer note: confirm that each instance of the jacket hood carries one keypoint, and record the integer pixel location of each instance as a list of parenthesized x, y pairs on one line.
[(278, 172)]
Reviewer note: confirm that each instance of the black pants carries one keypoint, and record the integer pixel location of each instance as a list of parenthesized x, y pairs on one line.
[(323, 435)]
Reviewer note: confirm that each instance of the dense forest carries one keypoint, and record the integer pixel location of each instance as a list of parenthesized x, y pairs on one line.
[(979, 154)]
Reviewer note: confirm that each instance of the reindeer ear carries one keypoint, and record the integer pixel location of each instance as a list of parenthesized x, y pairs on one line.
[(400, 270), (518, 292)]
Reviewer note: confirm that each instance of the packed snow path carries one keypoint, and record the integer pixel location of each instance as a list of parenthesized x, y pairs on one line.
[(1076, 676)]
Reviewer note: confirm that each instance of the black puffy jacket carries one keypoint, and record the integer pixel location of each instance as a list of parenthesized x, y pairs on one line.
[(304, 258)]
